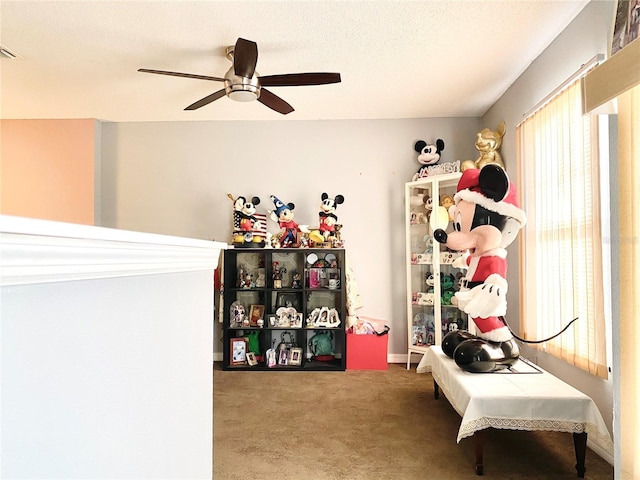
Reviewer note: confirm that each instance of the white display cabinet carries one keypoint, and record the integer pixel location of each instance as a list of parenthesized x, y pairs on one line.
[(431, 279)]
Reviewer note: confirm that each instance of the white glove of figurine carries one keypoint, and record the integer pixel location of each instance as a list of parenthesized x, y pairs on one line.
[(486, 300)]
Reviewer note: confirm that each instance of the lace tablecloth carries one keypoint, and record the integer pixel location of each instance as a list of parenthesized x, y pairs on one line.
[(526, 401)]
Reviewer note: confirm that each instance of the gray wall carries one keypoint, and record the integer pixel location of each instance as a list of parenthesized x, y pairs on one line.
[(173, 178)]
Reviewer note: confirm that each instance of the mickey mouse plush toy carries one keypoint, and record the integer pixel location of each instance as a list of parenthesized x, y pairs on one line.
[(486, 219), (427, 155), (283, 215)]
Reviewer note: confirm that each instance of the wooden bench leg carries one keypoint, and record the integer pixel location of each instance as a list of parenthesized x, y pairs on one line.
[(478, 451), (436, 390), (580, 445)]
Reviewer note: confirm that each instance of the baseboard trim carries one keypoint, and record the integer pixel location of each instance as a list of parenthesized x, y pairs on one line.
[(600, 450), (391, 357)]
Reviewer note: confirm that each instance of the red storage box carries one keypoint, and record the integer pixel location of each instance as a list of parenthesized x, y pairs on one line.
[(367, 352)]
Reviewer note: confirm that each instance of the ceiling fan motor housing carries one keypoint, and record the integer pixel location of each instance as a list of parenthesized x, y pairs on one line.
[(237, 87)]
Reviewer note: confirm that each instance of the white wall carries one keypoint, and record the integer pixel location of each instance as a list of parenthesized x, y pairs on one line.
[(585, 37), (106, 354), (173, 178)]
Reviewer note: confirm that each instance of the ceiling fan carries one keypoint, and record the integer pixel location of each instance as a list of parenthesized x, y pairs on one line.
[(242, 82)]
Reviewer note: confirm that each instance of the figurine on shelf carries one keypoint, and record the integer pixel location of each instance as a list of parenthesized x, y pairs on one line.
[(248, 281), (237, 314), (260, 278), (277, 274), (296, 282), (249, 227), (240, 276), (328, 218), (283, 215), (321, 346), (487, 143), (447, 290)]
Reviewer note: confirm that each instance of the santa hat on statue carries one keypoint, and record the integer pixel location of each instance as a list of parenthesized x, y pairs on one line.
[(490, 188)]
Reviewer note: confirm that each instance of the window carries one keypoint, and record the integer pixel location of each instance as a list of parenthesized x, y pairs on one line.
[(561, 261)]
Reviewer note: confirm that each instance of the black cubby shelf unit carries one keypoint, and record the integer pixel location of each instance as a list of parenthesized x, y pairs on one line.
[(291, 300)]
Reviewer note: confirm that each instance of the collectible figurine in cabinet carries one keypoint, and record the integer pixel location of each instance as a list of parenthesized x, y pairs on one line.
[(296, 282), (260, 278), (321, 345), (237, 314), (277, 274)]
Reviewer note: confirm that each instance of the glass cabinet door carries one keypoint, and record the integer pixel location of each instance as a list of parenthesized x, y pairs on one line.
[(432, 279)]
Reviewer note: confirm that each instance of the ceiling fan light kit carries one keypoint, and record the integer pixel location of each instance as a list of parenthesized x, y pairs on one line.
[(242, 83)]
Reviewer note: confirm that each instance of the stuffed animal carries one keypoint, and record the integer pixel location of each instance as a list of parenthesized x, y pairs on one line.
[(487, 143), (249, 227), (328, 218), (427, 155), (487, 219), (283, 216)]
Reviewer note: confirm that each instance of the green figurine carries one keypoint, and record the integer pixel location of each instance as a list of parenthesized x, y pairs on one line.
[(321, 344)]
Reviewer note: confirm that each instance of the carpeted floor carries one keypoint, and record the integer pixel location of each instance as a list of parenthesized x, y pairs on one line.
[(366, 425)]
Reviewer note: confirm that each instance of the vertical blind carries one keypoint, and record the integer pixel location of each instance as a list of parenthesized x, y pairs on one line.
[(629, 212), (561, 260)]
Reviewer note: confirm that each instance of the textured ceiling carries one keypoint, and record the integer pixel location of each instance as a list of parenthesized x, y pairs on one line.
[(398, 59)]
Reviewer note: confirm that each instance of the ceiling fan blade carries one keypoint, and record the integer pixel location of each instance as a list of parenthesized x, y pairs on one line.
[(295, 79), (185, 75), (245, 58), (274, 102), (207, 100)]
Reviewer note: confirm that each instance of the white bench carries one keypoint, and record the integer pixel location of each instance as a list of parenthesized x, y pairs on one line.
[(530, 400)]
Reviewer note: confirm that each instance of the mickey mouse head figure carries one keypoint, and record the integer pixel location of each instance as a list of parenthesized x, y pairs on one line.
[(486, 219), (427, 155)]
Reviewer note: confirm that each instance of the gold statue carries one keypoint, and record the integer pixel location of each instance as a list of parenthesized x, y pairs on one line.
[(487, 143)]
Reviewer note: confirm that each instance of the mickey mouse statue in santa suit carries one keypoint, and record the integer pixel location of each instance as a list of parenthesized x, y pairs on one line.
[(486, 219)]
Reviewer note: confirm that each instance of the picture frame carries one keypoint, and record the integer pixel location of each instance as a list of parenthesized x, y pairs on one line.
[(238, 348), (297, 321), (272, 320), (626, 25), (288, 299), (256, 312), (284, 357), (251, 359), (295, 357)]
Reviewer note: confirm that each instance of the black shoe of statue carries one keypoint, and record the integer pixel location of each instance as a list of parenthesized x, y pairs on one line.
[(454, 338), (480, 356)]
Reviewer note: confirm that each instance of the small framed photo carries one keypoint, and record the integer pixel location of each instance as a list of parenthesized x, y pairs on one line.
[(273, 321), (297, 321), (283, 357), (251, 359), (238, 349), (255, 313), (295, 356)]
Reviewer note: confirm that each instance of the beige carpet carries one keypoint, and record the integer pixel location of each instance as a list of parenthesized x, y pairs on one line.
[(366, 425)]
